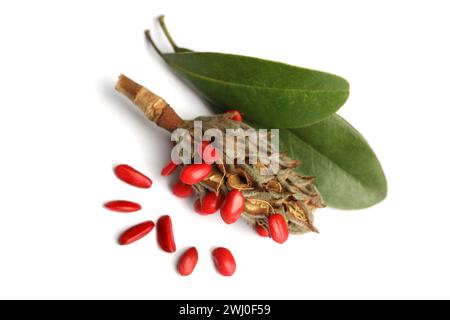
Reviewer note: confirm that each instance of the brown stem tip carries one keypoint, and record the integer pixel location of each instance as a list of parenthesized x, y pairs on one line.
[(155, 108), (127, 87)]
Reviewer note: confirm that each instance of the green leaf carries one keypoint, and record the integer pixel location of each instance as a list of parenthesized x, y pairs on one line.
[(348, 173), (266, 92)]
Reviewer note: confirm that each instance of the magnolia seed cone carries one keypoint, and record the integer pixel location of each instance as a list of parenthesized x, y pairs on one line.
[(286, 192)]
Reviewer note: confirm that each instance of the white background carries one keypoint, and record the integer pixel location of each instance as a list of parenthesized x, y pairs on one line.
[(62, 128)]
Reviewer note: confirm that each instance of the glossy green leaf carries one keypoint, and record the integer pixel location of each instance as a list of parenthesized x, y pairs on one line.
[(266, 92), (277, 95), (348, 173)]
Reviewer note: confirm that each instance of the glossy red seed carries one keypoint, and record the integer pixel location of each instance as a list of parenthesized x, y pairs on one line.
[(181, 189), (208, 153), (232, 207), (188, 261), (164, 234), (278, 228), (123, 206), (132, 176), (224, 261), (211, 202), (236, 115), (263, 232), (194, 173), (169, 169), (198, 207), (135, 233)]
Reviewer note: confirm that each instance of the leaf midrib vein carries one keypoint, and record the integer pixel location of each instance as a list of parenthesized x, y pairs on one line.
[(253, 86)]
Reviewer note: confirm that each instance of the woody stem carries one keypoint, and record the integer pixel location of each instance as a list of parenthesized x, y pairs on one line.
[(155, 108)]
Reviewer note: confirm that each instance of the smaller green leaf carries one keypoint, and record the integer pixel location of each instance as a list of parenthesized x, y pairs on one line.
[(348, 173), (267, 92)]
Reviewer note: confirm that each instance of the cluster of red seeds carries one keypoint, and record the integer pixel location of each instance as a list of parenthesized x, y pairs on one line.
[(231, 206), (222, 257)]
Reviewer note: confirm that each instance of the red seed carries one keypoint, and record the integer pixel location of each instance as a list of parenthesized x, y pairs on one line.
[(132, 176), (232, 207), (194, 173), (181, 189), (236, 115), (169, 169), (211, 202), (278, 228), (123, 206), (263, 232), (135, 233), (164, 233), (188, 261), (198, 207), (208, 153), (224, 261)]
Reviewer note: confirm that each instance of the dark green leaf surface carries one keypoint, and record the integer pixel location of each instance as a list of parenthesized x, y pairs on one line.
[(348, 173), (264, 91)]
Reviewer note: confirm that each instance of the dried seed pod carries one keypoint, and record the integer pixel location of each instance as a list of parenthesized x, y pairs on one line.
[(294, 209), (267, 193), (274, 185), (257, 207), (240, 180), (214, 180), (221, 168)]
